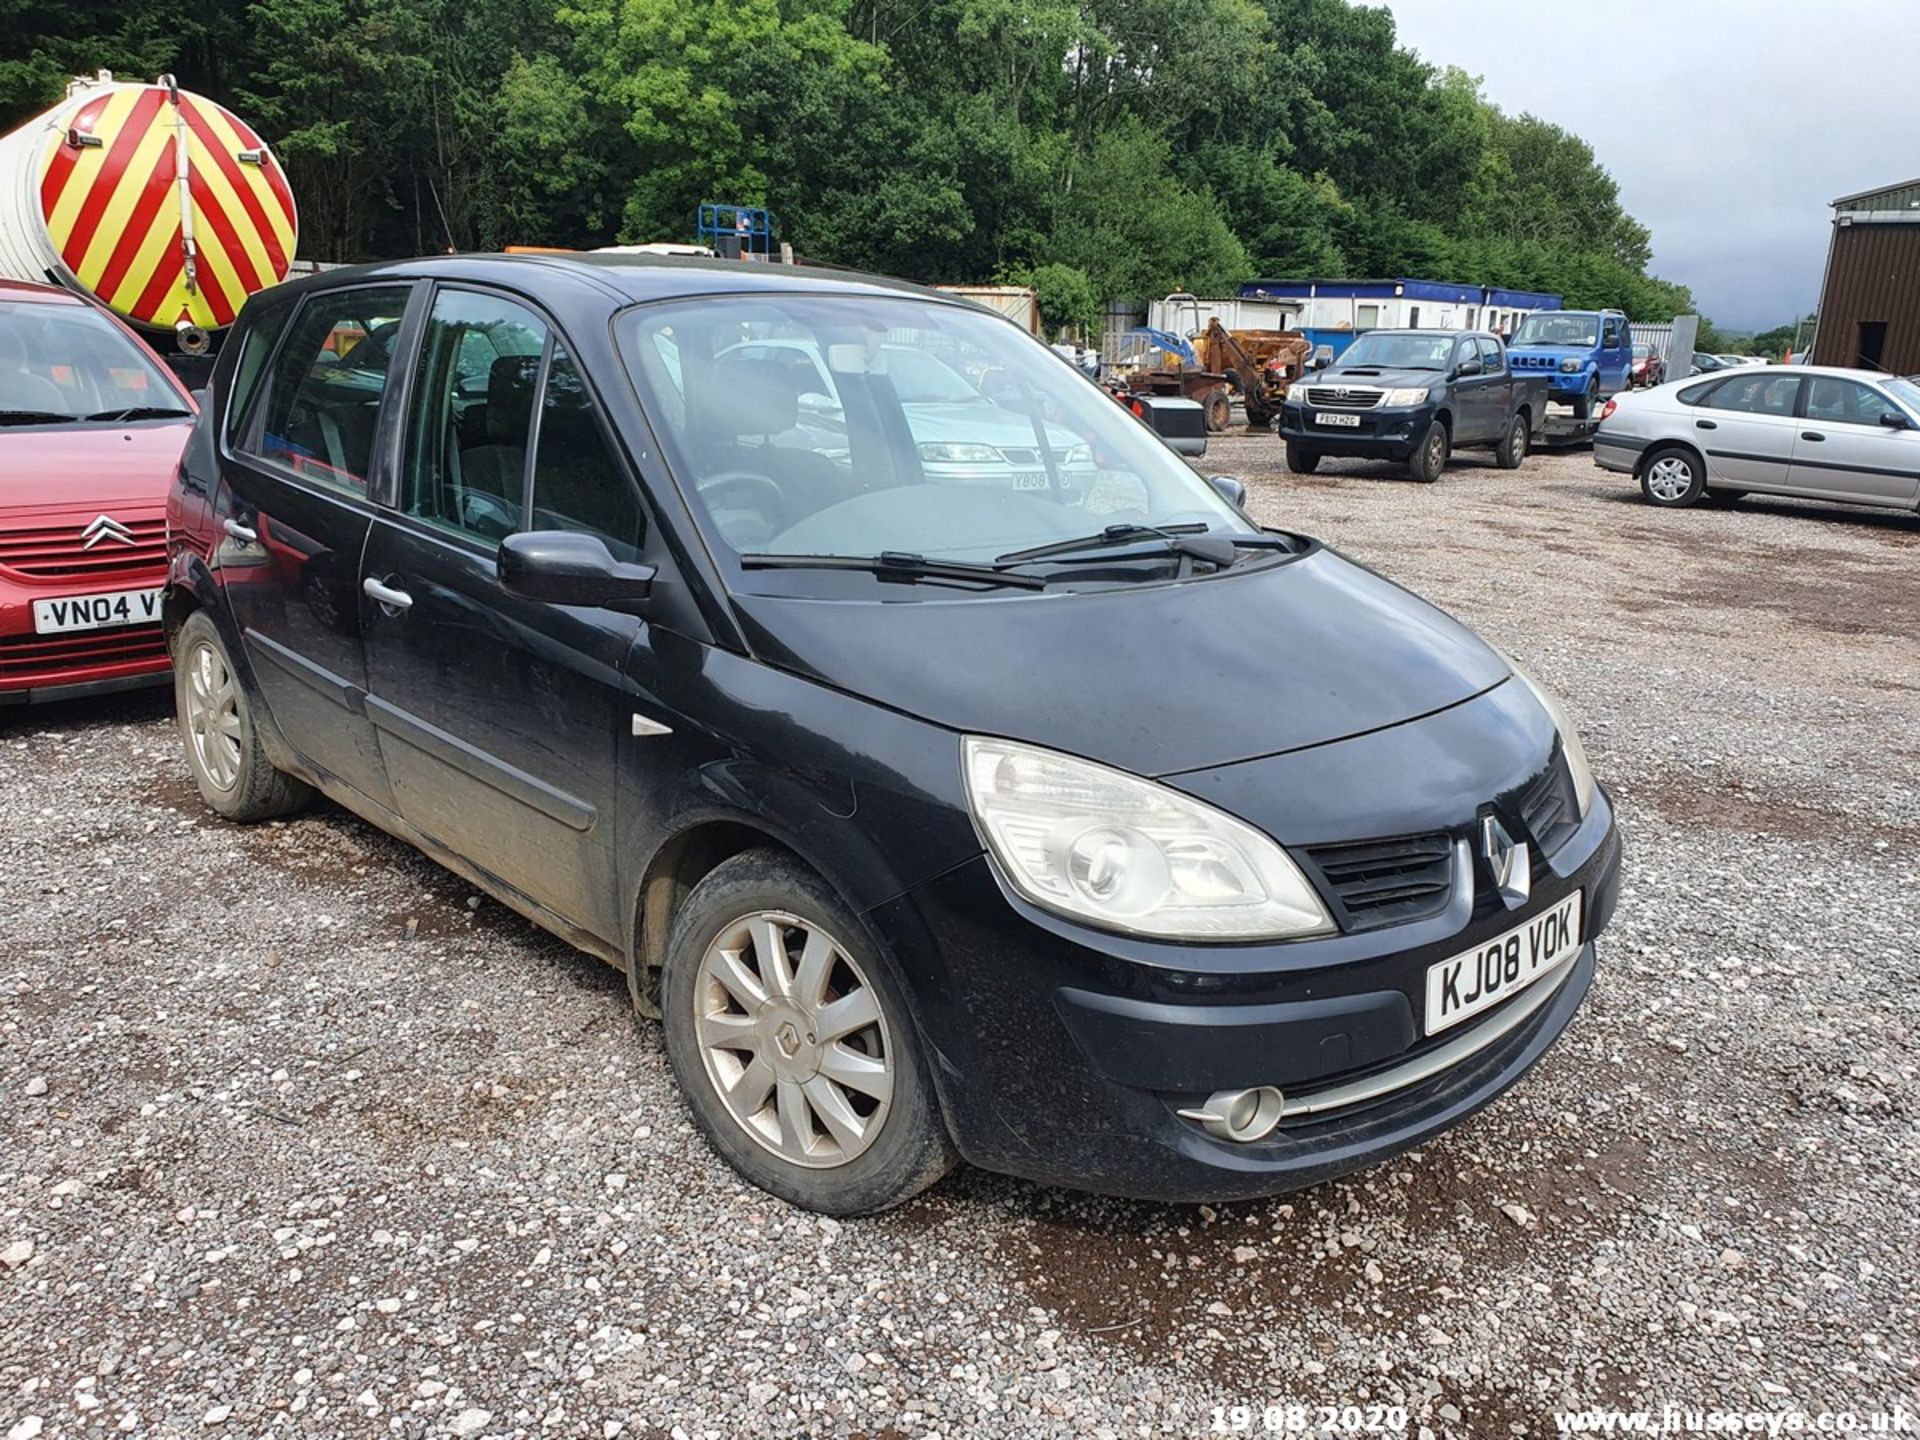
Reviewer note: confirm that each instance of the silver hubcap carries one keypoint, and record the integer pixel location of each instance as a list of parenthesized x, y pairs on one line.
[(1669, 478), (213, 716), (792, 1039)]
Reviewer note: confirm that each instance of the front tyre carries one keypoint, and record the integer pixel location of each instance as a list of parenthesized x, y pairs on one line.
[(1673, 478), (1430, 458), (1585, 405), (790, 1034), (222, 740), (1301, 460), (1512, 449)]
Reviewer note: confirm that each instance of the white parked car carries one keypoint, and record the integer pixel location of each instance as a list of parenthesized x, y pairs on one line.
[(1819, 432)]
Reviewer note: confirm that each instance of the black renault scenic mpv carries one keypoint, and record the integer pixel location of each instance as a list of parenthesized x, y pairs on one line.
[(955, 771)]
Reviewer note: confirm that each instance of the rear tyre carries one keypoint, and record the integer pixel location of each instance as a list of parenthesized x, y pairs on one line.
[(789, 1031), (1430, 457), (1219, 408), (1512, 450), (1673, 478), (1301, 460), (217, 727)]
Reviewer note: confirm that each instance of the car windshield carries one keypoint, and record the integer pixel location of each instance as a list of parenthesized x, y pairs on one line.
[(1547, 327), (820, 425), (62, 364), (1904, 390), (1398, 351)]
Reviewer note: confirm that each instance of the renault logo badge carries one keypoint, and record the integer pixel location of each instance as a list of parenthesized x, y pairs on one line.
[(104, 527), (1508, 860)]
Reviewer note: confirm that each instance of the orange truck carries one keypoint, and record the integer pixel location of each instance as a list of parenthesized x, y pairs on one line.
[(165, 207)]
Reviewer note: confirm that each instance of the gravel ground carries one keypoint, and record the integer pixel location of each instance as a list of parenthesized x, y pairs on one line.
[(298, 1138)]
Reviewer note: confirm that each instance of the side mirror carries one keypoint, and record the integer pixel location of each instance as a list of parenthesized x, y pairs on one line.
[(1894, 420), (1231, 490), (1470, 367), (566, 567), (1322, 358)]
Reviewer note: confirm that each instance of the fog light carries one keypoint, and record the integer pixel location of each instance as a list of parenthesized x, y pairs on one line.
[(1242, 1116)]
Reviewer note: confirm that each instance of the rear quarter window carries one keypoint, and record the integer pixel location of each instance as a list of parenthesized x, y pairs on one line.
[(1698, 394)]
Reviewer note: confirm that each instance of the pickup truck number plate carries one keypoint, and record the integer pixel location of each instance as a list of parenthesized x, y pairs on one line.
[(1321, 417)]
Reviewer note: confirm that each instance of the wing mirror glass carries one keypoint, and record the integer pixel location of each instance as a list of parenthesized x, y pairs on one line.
[(566, 567), (1231, 490)]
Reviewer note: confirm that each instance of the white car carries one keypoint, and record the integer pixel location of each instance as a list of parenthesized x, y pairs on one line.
[(1819, 432)]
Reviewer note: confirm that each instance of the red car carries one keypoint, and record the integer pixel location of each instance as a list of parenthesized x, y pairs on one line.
[(1649, 368), (91, 429)]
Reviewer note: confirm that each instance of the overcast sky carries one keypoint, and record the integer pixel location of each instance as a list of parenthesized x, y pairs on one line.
[(1729, 124)]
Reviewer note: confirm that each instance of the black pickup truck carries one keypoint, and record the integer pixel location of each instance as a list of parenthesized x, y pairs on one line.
[(1414, 396)]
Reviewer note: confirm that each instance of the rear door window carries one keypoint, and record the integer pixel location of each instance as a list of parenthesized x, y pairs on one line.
[(1762, 394), (322, 402)]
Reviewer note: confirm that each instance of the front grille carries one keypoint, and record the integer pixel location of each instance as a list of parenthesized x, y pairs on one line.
[(1549, 807), (57, 552), (1533, 362), (1341, 397), (1386, 882), (24, 657)]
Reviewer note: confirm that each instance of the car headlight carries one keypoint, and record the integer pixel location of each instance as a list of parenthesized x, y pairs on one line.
[(1406, 397), (1570, 366), (1080, 455), (1100, 845), (945, 452), (1576, 753)]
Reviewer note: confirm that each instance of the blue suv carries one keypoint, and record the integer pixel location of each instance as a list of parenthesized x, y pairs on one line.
[(1587, 353)]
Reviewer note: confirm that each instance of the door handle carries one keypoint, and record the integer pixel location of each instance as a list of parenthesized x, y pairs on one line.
[(1706, 424), (238, 531), (391, 598), (1811, 435)]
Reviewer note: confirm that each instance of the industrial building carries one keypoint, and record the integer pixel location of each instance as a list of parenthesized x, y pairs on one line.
[(1870, 299), (1332, 312)]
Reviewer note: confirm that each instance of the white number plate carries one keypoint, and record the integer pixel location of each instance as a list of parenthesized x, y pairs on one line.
[(96, 612), (1505, 965), (1323, 417), (1029, 479)]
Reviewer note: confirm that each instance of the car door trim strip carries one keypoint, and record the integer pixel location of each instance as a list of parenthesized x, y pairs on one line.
[(536, 794), (338, 689), (1796, 461)]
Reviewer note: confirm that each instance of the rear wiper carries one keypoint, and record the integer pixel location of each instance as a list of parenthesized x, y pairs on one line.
[(141, 412), (1112, 535), (33, 417), (896, 565)]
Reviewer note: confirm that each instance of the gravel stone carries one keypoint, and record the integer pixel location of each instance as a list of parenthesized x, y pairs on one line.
[(298, 1077)]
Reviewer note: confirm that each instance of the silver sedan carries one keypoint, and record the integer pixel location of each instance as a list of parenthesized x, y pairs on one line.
[(1818, 432)]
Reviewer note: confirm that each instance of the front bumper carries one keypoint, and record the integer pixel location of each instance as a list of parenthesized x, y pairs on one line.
[(1383, 433), (1063, 1056), (37, 668)]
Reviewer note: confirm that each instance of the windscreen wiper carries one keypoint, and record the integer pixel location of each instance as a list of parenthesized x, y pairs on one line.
[(1112, 535), (141, 412), (897, 565), (34, 417)]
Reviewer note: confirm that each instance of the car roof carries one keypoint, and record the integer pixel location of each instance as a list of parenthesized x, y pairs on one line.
[(36, 294), (1848, 372), (635, 278)]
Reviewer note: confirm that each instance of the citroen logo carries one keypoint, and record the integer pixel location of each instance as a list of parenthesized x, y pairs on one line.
[(1507, 859), (104, 527)]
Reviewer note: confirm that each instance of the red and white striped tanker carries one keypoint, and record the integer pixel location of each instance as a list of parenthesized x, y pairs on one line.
[(165, 206)]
